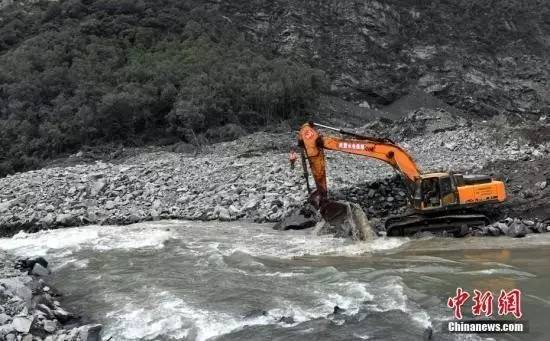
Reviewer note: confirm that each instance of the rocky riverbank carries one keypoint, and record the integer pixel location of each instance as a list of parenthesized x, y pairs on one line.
[(250, 179), (29, 307)]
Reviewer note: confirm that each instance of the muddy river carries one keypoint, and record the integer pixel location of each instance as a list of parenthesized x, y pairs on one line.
[(178, 280)]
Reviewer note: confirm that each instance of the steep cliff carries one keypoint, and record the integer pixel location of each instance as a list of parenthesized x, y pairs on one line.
[(486, 56)]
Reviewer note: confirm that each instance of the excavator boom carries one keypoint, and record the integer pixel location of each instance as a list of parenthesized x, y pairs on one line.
[(381, 149)]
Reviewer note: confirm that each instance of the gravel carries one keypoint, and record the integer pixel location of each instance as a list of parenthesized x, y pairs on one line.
[(249, 178)]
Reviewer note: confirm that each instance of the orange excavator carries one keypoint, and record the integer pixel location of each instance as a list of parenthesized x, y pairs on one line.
[(438, 201)]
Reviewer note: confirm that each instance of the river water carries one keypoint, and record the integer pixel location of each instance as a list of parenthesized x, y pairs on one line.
[(178, 280)]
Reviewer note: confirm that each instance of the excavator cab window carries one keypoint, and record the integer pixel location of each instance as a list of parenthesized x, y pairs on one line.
[(446, 185), (431, 192)]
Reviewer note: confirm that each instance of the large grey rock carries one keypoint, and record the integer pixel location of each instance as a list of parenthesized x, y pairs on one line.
[(39, 270), (97, 187), (299, 219), (5, 206), (18, 288), (62, 315), (517, 230), (65, 219), (50, 326), (4, 318), (22, 324), (250, 204), (224, 214), (48, 219), (89, 332)]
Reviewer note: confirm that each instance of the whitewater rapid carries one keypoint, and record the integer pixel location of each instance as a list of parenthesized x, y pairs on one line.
[(196, 281)]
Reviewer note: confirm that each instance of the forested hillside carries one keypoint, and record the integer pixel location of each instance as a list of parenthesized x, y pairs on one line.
[(77, 73)]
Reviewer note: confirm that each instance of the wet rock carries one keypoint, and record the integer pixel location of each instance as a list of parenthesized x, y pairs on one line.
[(255, 313), (251, 204), (338, 310), (516, 230), (296, 221), (224, 214), (428, 333), (62, 315), (286, 320), (22, 324), (65, 219), (496, 230), (45, 309), (504, 228), (538, 228), (17, 288), (39, 270), (89, 332), (48, 219), (28, 263), (234, 211), (527, 222), (50, 326), (4, 318)]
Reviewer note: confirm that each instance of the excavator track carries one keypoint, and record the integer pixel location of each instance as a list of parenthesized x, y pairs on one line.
[(456, 224)]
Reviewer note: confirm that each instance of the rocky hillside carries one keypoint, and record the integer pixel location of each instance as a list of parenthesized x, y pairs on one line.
[(483, 56)]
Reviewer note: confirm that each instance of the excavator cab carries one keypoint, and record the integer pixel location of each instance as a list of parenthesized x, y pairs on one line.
[(435, 191)]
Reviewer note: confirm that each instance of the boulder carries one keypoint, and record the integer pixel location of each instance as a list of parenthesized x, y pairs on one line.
[(62, 315), (39, 270), (48, 219), (338, 310), (495, 230), (516, 230), (65, 219), (296, 221), (255, 313), (286, 320), (97, 187), (252, 203), (224, 214), (503, 227), (22, 324), (17, 288), (4, 318), (89, 332), (50, 326), (28, 263)]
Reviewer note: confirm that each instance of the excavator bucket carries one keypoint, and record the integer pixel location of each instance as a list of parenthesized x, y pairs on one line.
[(346, 219)]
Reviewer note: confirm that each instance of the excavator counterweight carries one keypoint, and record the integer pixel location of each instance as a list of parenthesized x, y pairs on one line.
[(438, 201)]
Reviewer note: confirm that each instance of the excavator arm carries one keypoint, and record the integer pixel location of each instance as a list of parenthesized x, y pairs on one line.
[(385, 150)]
